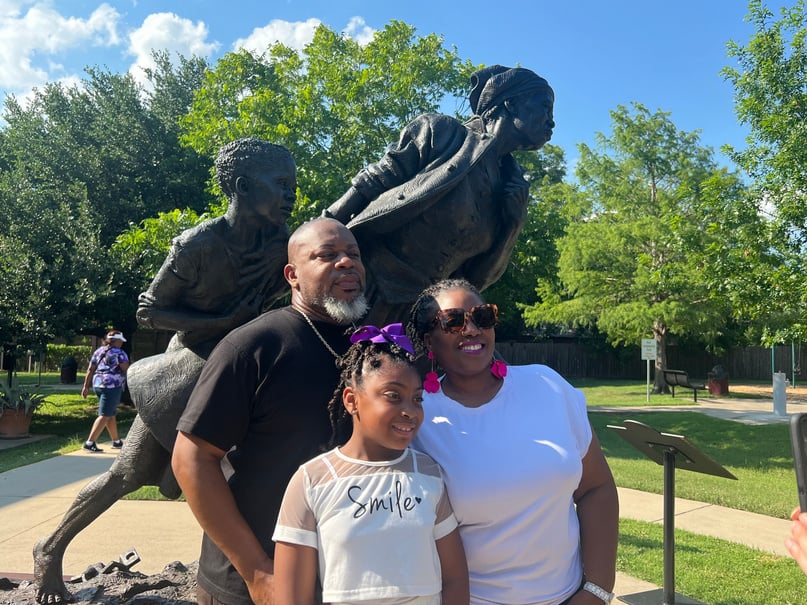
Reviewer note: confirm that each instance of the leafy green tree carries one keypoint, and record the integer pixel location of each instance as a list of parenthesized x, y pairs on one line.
[(632, 263), (535, 255), (21, 328), (335, 105), (46, 282), (78, 166), (180, 173), (770, 97), (141, 250), (103, 133)]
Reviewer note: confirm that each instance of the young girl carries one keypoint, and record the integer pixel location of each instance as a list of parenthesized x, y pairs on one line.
[(370, 518)]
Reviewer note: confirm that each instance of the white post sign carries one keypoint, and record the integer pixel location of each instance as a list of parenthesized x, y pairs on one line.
[(649, 351)]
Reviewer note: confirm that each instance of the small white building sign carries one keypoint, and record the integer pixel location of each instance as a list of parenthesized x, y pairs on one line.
[(649, 348)]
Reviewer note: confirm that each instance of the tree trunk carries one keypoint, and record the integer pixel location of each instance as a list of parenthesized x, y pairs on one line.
[(660, 334)]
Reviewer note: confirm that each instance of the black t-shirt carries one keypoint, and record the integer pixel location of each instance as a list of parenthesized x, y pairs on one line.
[(262, 396)]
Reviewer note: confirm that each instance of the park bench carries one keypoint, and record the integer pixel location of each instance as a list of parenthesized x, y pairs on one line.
[(679, 378)]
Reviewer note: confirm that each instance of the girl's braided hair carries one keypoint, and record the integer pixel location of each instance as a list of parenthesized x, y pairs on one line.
[(363, 357), (425, 308)]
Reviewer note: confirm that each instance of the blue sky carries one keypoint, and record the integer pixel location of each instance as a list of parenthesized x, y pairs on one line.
[(596, 54)]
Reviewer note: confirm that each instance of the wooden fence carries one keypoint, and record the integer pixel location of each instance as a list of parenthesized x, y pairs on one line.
[(575, 359), (583, 360)]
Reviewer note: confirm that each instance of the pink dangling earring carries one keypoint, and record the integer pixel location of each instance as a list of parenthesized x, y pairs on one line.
[(431, 384), (498, 368)]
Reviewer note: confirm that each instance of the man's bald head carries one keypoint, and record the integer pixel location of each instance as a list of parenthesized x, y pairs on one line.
[(315, 230), (325, 271)]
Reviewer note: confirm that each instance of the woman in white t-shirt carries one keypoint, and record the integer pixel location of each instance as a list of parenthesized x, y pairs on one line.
[(534, 496), (370, 518)]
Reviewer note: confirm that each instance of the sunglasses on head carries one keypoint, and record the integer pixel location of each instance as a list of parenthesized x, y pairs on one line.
[(454, 320)]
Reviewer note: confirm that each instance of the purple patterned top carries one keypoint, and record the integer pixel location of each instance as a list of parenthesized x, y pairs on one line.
[(107, 362)]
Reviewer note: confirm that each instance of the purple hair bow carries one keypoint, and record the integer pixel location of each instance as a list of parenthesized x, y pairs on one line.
[(393, 333)]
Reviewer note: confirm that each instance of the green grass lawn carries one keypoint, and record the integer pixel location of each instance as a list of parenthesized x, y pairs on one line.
[(710, 570), (67, 418), (758, 455), (707, 569)]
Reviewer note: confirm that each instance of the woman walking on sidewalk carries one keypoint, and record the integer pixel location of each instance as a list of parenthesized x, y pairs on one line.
[(107, 375)]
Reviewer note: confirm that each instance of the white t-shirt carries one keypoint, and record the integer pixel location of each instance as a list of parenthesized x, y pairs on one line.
[(511, 467), (374, 525)]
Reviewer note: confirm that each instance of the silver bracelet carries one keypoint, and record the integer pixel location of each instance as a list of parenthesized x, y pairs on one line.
[(599, 592)]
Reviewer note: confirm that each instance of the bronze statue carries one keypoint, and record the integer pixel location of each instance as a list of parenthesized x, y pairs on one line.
[(449, 199), (217, 276)]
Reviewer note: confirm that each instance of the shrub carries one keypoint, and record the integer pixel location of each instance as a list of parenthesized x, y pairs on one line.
[(56, 353)]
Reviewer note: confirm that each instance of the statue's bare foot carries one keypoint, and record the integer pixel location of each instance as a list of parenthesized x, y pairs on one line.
[(48, 577)]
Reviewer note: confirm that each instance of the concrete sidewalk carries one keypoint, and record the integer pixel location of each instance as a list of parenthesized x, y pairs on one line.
[(37, 496)]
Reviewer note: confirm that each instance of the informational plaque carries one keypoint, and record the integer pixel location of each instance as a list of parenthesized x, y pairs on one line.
[(671, 451)]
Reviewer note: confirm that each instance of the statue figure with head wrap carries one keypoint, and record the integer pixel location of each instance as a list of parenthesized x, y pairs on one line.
[(448, 199)]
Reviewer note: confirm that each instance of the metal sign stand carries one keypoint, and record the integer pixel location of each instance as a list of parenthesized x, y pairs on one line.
[(649, 353), (671, 451)]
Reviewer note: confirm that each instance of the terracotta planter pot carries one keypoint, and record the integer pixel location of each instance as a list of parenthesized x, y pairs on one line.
[(14, 424)]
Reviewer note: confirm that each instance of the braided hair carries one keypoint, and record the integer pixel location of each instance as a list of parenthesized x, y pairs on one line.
[(362, 358), (425, 308)]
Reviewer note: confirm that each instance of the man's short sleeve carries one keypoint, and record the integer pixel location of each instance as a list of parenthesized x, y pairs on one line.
[(218, 410)]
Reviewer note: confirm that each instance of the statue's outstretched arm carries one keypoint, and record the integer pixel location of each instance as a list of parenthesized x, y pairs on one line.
[(415, 149)]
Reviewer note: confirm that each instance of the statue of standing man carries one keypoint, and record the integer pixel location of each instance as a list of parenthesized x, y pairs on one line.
[(448, 199), (216, 277)]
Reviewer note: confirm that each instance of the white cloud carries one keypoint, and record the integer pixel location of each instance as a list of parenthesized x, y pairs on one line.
[(297, 34), (359, 31), (167, 32), (30, 42), (294, 34), (36, 40)]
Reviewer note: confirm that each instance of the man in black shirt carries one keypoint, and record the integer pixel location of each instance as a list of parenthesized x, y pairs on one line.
[(261, 401)]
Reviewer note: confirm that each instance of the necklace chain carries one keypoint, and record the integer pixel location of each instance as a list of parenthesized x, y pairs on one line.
[(320, 336)]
